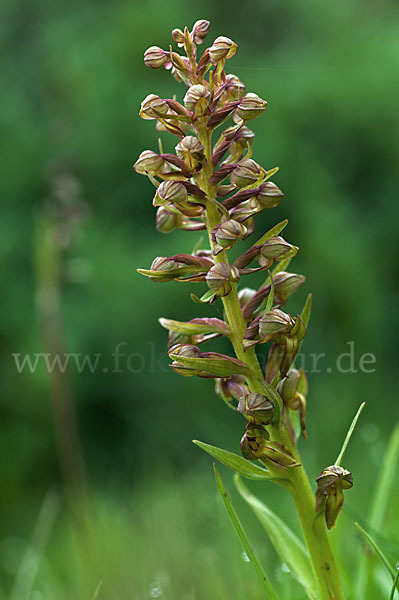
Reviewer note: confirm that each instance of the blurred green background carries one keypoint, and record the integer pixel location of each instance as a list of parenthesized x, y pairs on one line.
[(73, 79)]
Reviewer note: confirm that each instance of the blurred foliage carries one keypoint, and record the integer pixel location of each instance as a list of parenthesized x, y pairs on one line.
[(73, 79)]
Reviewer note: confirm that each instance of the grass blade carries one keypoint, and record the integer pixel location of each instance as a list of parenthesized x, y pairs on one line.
[(385, 482), (287, 545), (395, 583), (349, 434), (384, 488), (270, 591), (376, 549)]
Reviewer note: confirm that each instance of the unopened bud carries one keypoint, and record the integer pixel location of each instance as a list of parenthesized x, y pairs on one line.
[(200, 30), (285, 284), (153, 107), (269, 195), (155, 57), (246, 173), (288, 386), (233, 387), (163, 263), (189, 144), (235, 87), (245, 295), (226, 234), (251, 106), (257, 406), (148, 162), (197, 97), (220, 277), (167, 221), (275, 248), (275, 321), (185, 350), (253, 442), (222, 47), (178, 36), (169, 192), (330, 485)]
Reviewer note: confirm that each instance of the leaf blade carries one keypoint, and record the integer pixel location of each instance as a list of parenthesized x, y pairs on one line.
[(376, 549), (235, 462), (271, 233), (287, 545), (270, 591)]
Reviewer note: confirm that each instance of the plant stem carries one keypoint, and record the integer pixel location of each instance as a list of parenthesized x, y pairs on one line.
[(313, 526)]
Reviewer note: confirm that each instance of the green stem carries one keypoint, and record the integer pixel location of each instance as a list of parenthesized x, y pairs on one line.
[(313, 527)]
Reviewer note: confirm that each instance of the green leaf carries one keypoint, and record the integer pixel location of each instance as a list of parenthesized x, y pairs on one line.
[(349, 435), (222, 366), (384, 488), (209, 295), (270, 297), (193, 328), (385, 482), (270, 173), (305, 314), (377, 550), (287, 545), (271, 233), (395, 583), (234, 461), (276, 400), (269, 589)]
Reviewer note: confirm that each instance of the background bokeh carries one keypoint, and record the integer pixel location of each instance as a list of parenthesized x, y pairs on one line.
[(73, 79)]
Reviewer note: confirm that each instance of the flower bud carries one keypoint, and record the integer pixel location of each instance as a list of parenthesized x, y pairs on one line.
[(253, 442), (189, 144), (185, 350), (275, 248), (245, 295), (330, 485), (293, 390), (155, 57), (246, 173), (163, 263), (245, 134), (288, 386), (169, 192), (196, 99), (273, 366), (178, 36), (222, 47), (257, 406), (279, 454), (226, 234), (234, 87), (148, 162), (285, 284), (167, 221), (251, 106), (153, 107), (269, 195), (233, 387), (200, 30), (220, 277), (275, 321)]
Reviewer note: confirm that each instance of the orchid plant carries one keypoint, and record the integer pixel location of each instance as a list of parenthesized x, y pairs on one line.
[(213, 184)]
